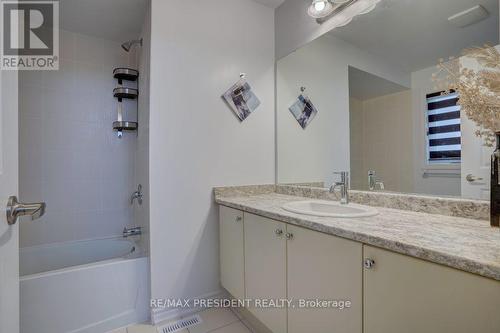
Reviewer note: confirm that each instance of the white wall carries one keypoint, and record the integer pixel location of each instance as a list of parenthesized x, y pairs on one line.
[(382, 140), (69, 155), (439, 185), (196, 142), (322, 67)]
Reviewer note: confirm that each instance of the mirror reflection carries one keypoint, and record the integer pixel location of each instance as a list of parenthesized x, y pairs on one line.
[(362, 99)]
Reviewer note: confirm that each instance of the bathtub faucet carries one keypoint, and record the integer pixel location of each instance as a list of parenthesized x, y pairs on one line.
[(137, 195), (133, 231)]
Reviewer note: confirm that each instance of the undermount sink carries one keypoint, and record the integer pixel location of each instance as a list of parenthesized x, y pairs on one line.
[(329, 209)]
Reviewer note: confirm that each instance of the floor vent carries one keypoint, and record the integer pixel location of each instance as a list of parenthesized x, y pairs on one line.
[(181, 324)]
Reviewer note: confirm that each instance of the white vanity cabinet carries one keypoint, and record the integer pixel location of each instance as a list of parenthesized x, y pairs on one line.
[(389, 293), (265, 268), (405, 294), (232, 258), (287, 262)]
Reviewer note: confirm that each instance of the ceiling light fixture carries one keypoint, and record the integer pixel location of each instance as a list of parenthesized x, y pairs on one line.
[(320, 9), (339, 12)]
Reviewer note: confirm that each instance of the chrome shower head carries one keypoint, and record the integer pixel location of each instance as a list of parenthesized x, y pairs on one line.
[(128, 45)]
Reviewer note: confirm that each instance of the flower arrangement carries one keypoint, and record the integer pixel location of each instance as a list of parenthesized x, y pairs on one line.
[(479, 90)]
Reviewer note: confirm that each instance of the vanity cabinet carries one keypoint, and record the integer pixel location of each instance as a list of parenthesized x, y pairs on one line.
[(265, 268), (264, 259), (288, 262), (324, 267), (232, 258), (405, 294)]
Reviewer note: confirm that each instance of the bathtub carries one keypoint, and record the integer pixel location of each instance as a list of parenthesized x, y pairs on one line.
[(83, 287)]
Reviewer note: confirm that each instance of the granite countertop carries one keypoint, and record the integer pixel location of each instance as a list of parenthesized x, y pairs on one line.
[(467, 244)]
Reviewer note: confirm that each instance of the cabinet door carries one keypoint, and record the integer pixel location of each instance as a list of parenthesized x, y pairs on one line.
[(232, 267), (265, 271), (324, 267), (405, 294)]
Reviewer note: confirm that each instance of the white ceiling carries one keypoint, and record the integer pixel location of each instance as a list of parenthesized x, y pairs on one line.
[(363, 85), (271, 3), (416, 33), (118, 20)]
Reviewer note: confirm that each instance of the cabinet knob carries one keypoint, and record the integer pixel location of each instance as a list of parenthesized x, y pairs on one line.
[(239, 219), (278, 232), (369, 263), (289, 236)]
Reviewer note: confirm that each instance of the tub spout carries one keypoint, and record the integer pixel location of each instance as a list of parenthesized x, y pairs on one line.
[(16, 209), (134, 231)]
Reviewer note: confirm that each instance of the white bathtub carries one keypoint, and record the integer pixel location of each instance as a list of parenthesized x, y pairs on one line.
[(83, 287)]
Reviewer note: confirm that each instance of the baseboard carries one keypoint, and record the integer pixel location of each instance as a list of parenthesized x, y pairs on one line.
[(159, 315), (250, 321)]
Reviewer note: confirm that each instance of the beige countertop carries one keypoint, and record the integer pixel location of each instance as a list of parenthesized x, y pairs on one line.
[(467, 244)]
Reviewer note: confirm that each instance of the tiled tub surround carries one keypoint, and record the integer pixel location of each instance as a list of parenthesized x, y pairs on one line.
[(69, 155), (467, 244)]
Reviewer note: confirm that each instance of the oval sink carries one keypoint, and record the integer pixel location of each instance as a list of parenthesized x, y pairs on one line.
[(329, 209)]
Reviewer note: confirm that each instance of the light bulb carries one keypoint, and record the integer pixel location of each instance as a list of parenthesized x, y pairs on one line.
[(319, 6)]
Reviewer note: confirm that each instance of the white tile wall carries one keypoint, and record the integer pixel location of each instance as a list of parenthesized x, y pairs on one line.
[(69, 155), (141, 213), (142, 154)]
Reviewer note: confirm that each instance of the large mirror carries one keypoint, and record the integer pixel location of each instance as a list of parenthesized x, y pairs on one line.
[(369, 104)]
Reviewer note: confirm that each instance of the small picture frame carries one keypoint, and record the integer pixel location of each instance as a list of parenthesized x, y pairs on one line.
[(303, 110), (241, 99)]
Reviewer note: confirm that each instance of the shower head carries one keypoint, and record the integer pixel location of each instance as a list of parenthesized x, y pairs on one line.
[(128, 45)]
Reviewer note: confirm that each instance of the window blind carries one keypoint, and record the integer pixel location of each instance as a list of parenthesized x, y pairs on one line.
[(443, 128)]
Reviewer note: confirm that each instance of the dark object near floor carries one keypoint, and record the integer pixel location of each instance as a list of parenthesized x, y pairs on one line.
[(495, 185)]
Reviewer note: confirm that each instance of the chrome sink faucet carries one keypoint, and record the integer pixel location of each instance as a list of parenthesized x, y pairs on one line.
[(374, 181), (344, 187)]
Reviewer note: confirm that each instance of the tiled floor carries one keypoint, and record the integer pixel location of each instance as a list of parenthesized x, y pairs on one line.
[(214, 321)]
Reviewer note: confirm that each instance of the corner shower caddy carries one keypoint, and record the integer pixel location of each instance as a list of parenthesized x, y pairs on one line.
[(121, 93)]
